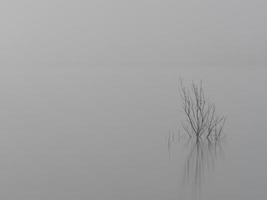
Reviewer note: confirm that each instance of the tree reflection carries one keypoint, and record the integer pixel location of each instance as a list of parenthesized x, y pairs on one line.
[(201, 158)]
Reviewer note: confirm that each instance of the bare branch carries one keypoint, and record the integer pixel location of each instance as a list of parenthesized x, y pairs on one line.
[(200, 114)]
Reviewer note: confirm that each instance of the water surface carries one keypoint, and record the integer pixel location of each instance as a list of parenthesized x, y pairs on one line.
[(104, 133)]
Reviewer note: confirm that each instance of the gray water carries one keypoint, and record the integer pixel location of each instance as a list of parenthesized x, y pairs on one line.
[(112, 133)]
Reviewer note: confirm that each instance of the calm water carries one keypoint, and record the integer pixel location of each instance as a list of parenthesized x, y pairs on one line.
[(112, 133)]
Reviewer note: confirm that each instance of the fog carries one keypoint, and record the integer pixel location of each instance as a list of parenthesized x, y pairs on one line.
[(112, 33), (90, 107)]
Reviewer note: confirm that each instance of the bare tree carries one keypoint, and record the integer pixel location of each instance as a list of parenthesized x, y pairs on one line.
[(201, 117)]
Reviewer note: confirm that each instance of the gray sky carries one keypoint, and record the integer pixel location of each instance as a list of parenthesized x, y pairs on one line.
[(74, 132), (140, 32)]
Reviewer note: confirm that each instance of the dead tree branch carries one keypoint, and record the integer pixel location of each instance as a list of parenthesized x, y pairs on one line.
[(201, 117)]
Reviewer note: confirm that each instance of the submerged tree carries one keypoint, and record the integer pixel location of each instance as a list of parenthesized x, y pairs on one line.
[(201, 117)]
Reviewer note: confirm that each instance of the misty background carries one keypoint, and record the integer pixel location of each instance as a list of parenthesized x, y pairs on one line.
[(133, 33), (89, 93)]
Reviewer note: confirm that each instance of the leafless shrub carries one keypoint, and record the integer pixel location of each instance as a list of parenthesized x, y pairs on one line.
[(201, 117)]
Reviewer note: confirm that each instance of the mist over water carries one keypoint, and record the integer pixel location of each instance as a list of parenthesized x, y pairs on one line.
[(90, 108), (104, 133)]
